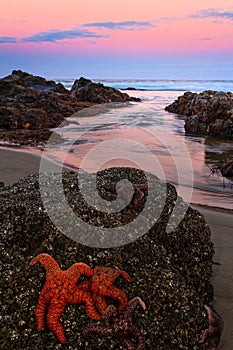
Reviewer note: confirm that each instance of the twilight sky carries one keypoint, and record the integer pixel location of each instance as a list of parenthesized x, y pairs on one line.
[(146, 39)]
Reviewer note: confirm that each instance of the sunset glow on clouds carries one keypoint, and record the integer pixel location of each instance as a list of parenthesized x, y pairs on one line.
[(117, 39)]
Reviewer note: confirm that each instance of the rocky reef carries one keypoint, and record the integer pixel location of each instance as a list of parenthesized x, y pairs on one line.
[(224, 168), (207, 113), (85, 90), (29, 102), (227, 169), (170, 270)]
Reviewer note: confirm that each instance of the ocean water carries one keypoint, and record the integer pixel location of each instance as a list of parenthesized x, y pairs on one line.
[(144, 135), (162, 85)]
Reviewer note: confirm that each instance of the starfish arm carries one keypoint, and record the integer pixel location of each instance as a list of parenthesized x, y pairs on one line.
[(112, 186), (213, 318), (133, 303), (78, 269), (138, 196), (127, 343), (109, 312), (85, 285), (126, 276), (97, 328), (141, 186), (137, 334), (41, 307), (204, 336), (214, 330), (50, 265), (55, 311), (46, 260), (91, 310), (123, 191), (80, 296), (100, 303), (118, 295)]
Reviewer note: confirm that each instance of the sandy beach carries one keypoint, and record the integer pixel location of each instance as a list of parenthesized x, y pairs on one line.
[(15, 164), (221, 224)]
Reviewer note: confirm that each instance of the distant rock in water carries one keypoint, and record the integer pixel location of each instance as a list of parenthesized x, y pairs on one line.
[(208, 113), (130, 88), (85, 90)]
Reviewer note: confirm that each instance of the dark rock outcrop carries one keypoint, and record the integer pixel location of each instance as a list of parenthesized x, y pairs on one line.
[(226, 169), (208, 113), (34, 103), (85, 90), (23, 79), (33, 138)]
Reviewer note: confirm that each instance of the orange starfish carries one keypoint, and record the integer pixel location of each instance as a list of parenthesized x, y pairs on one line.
[(60, 288), (101, 286)]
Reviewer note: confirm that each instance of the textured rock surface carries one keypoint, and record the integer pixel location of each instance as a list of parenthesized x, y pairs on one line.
[(208, 113), (33, 103), (171, 271), (227, 169), (85, 90), (30, 105)]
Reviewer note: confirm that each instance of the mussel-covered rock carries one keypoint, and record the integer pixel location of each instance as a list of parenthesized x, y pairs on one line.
[(170, 268)]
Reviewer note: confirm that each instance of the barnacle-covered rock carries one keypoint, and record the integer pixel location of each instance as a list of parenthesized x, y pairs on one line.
[(170, 269)]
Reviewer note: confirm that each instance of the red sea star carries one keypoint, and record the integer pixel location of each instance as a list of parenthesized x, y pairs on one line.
[(121, 325), (60, 288), (101, 286), (213, 333), (124, 191)]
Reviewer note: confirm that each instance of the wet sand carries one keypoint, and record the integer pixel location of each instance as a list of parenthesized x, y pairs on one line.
[(15, 164), (221, 224)]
